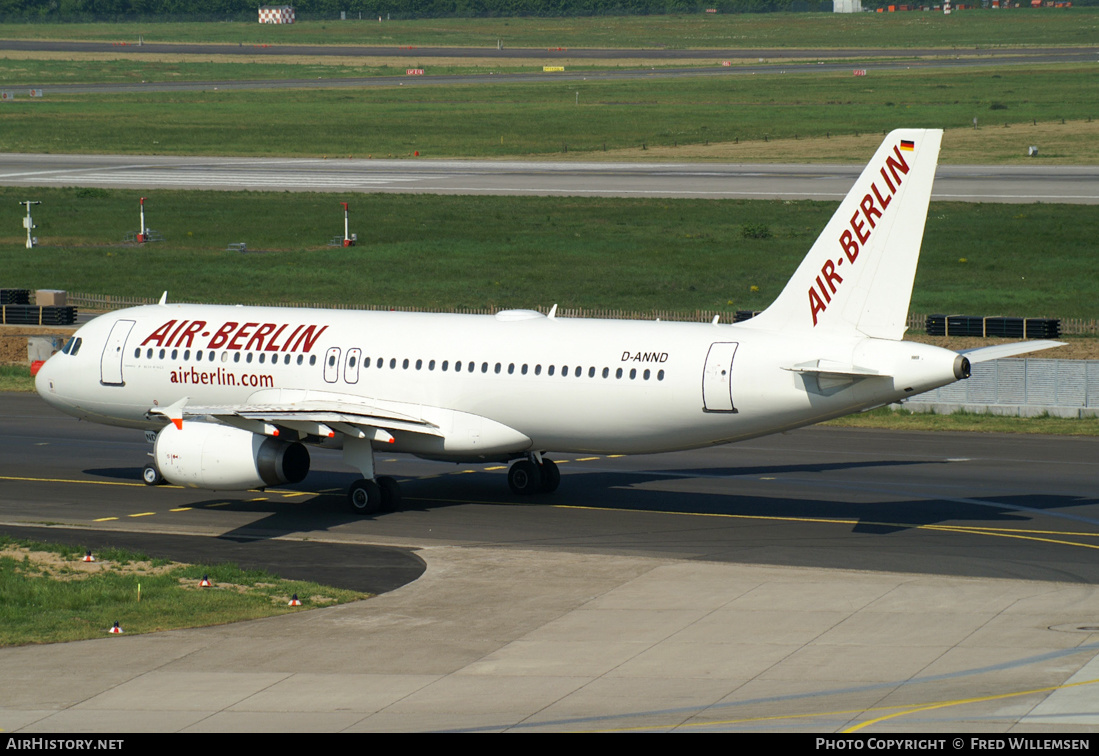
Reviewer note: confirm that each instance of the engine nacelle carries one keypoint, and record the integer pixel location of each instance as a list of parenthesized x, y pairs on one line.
[(215, 456)]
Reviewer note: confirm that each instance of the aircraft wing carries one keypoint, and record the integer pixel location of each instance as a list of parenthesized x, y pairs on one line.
[(307, 416), (999, 351)]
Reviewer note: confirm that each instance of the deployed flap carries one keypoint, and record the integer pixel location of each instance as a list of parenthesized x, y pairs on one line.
[(999, 351)]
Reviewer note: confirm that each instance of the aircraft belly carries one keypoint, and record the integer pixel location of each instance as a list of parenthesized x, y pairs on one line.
[(604, 422), (463, 434)]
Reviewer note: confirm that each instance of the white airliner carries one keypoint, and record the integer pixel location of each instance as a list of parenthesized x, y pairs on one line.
[(236, 394)]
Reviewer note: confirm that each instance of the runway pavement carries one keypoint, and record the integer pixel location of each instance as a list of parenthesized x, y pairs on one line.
[(527, 53), (821, 580), (711, 62), (1062, 184), (825, 580)]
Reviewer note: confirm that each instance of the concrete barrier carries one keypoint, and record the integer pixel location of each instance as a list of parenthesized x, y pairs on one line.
[(1018, 387)]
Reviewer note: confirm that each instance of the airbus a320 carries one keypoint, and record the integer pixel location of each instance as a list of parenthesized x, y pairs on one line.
[(237, 395)]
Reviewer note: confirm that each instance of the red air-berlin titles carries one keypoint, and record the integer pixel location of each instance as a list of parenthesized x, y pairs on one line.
[(260, 337), (860, 227)]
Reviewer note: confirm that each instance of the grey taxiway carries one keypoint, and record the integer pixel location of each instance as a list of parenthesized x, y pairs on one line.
[(827, 579), (824, 580), (1060, 184)]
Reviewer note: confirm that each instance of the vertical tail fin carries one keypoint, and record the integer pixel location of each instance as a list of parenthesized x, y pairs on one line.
[(859, 273)]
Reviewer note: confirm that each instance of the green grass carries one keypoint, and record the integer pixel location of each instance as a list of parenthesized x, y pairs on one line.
[(903, 420), (16, 378), (461, 251), (49, 601), (498, 119), (1023, 26), (29, 72)]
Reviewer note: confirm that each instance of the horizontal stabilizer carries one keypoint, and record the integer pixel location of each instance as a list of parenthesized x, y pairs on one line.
[(828, 367), (984, 354)]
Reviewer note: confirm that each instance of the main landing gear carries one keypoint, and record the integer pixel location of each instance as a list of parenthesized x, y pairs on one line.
[(536, 474), (369, 495), (372, 496)]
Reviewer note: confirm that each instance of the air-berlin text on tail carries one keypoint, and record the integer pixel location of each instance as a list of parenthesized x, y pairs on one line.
[(260, 337), (860, 227)]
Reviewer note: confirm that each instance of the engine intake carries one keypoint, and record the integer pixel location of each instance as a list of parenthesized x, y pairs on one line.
[(214, 456)]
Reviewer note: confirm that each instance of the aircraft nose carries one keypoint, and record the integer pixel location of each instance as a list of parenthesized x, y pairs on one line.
[(45, 382)]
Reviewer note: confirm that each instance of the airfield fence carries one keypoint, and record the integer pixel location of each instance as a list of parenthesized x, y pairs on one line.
[(916, 321), (111, 302), (1024, 387)]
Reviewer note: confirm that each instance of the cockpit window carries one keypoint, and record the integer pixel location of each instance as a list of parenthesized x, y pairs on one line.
[(72, 346)]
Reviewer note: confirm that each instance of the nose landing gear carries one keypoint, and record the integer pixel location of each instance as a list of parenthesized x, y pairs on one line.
[(151, 476)]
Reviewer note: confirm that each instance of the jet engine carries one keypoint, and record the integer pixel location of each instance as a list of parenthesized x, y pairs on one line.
[(215, 456)]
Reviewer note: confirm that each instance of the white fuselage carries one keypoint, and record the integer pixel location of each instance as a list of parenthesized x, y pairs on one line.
[(494, 386)]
